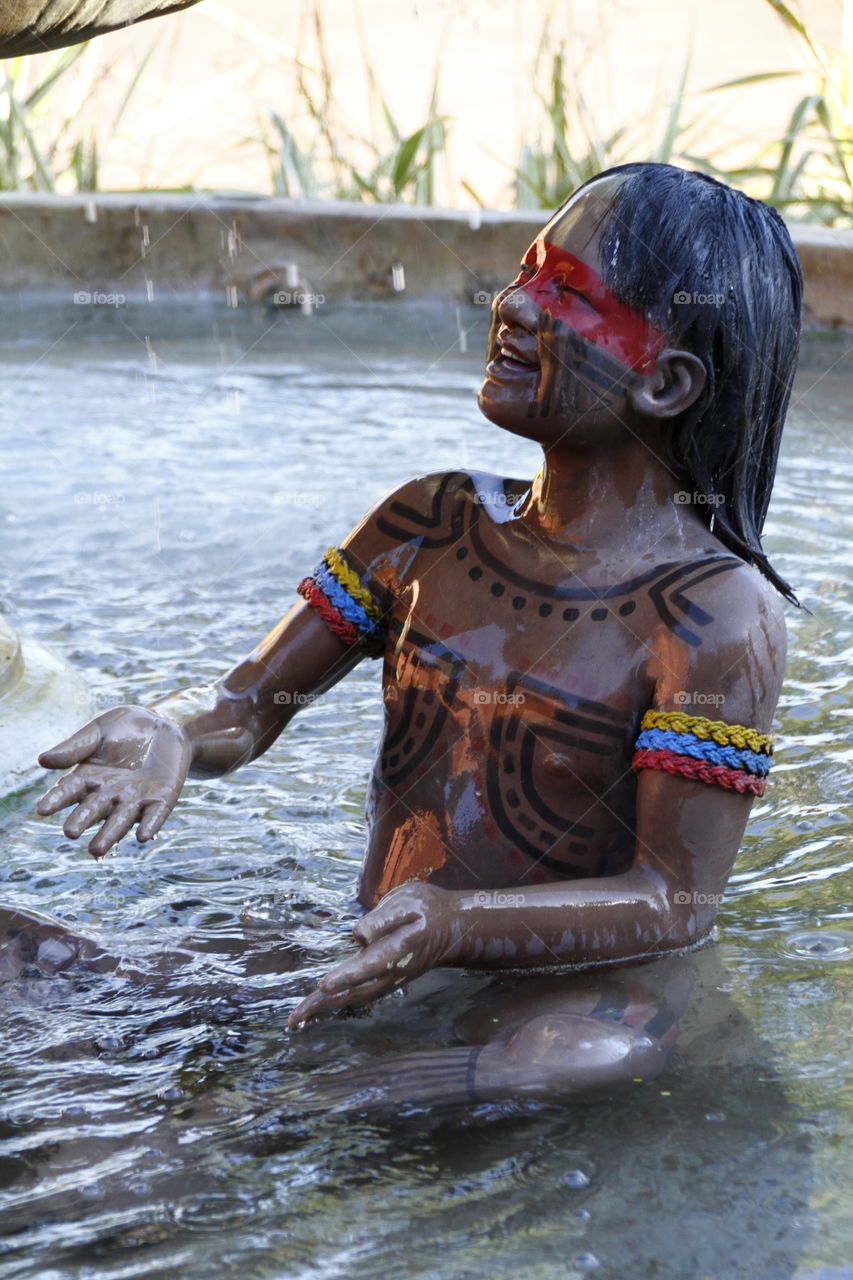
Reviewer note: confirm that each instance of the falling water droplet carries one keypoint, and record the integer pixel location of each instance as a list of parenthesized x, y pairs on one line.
[(292, 275), (233, 241), (460, 332), (398, 277)]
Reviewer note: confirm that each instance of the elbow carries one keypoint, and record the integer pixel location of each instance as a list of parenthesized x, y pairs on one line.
[(692, 915)]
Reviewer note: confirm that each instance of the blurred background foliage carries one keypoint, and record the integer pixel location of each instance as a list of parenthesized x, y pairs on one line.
[(53, 129)]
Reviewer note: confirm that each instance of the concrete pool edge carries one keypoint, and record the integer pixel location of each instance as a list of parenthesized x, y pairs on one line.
[(100, 249)]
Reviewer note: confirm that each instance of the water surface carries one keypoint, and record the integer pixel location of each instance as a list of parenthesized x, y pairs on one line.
[(169, 478)]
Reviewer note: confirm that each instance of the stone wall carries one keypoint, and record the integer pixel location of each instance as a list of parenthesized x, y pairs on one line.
[(255, 248)]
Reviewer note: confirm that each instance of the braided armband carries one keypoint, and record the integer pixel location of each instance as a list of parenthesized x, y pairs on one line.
[(345, 604), (727, 755)]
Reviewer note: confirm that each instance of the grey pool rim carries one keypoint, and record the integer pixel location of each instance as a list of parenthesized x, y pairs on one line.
[(249, 248)]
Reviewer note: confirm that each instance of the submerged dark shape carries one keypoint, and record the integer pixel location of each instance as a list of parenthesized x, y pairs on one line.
[(30, 26)]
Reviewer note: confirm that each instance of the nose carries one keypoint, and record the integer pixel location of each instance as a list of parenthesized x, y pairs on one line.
[(514, 306)]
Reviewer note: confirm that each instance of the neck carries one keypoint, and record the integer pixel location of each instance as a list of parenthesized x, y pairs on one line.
[(597, 501)]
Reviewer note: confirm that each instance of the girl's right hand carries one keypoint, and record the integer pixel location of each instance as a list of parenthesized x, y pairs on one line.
[(127, 766)]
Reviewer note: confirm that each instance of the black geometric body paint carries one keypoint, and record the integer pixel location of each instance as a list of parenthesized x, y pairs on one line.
[(423, 712), (552, 720), (455, 517), (591, 368), (519, 745)]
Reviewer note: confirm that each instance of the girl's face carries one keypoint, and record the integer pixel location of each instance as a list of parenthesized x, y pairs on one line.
[(562, 351)]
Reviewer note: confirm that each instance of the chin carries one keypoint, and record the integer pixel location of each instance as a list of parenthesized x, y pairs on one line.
[(514, 417), (500, 408)]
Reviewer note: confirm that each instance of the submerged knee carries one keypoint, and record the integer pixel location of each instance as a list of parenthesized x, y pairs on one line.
[(572, 1052)]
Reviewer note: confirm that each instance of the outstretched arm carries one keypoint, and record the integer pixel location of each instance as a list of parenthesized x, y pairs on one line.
[(128, 765)]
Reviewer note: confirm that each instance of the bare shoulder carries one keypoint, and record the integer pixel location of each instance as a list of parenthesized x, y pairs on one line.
[(735, 672), (420, 513), (429, 507)]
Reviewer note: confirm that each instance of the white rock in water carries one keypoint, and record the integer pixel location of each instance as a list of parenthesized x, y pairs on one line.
[(42, 701)]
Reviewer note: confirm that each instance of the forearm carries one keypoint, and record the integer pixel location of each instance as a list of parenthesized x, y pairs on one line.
[(600, 921), (224, 731), (238, 717)]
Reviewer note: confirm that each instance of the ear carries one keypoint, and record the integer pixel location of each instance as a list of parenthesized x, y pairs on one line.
[(677, 382)]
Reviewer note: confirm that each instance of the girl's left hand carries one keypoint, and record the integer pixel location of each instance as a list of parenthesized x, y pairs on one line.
[(409, 932)]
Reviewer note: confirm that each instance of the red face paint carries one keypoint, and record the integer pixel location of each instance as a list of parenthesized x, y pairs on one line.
[(575, 294)]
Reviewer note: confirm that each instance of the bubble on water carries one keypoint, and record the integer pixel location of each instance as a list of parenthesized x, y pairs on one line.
[(585, 1262), (109, 1044), (577, 1179), (819, 944)]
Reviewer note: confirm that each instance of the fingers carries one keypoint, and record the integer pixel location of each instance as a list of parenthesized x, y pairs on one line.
[(67, 790), (391, 955), (383, 919), (322, 1005), (152, 820), (114, 829), (87, 813), (72, 750)]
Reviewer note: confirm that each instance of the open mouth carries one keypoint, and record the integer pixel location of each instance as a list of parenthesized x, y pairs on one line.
[(511, 363)]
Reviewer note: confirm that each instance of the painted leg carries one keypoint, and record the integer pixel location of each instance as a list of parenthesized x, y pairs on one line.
[(550, 1056), (542, 1037)]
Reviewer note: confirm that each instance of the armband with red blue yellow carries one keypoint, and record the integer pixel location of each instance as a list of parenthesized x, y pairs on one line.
[(346, 605), (727, 755)]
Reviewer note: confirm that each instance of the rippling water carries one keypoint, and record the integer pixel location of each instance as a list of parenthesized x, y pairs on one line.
[(163, 495)]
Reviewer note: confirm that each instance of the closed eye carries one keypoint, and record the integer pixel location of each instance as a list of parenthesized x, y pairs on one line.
[(567, 288)]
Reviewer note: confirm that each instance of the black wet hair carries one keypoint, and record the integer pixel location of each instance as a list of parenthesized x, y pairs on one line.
[(718, 271)]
